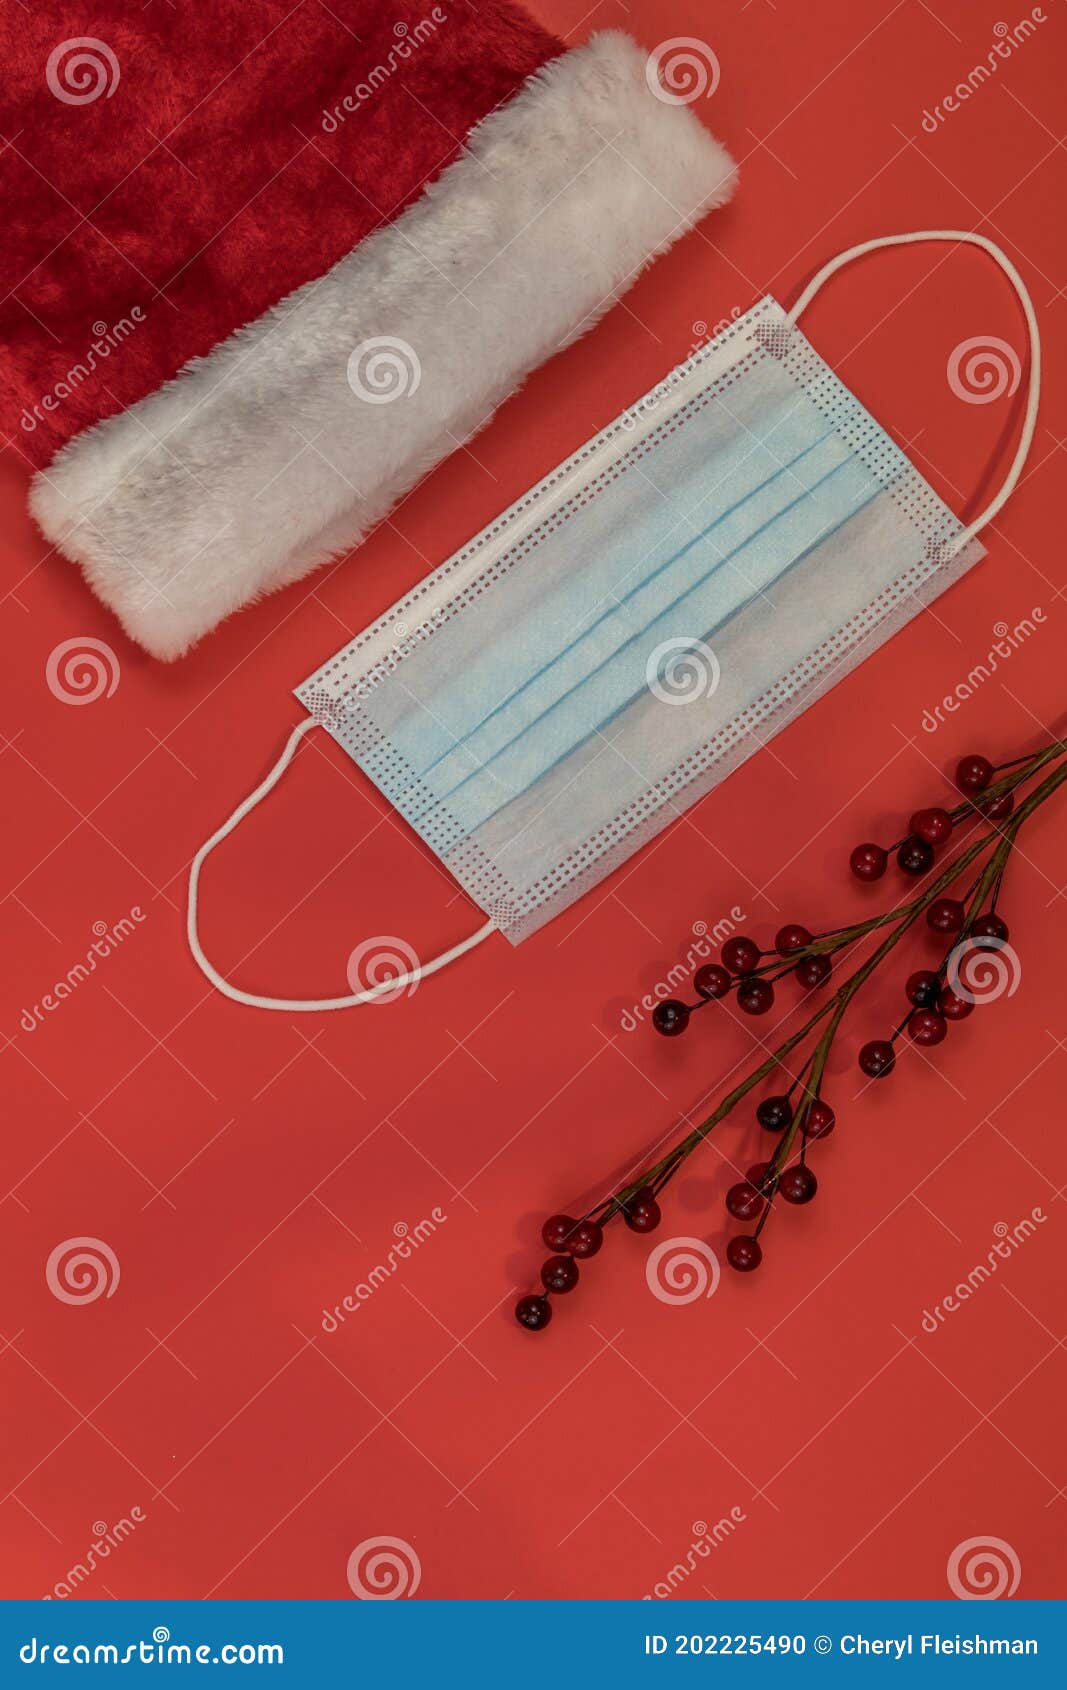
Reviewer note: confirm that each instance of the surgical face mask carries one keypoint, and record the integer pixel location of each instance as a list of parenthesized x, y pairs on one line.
[(608, 650)]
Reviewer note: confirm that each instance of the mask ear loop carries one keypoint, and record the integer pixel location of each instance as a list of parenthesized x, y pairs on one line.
[(297, 1004), (969, 238)]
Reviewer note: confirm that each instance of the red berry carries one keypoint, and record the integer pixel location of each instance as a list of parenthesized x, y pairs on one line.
[(755, 996), (994, 810), (990, 926), (945, 915), (775, 1113), (744, 1254), (759, 1175), (670, 1018), (792, 937), (868, 862), (586, 1239), (927, 1027), (557, 1232), (813, 971), (935, 826), (740, 955), (923, 988), (974, 773), (877, 1059), (711, 981), (953, 1007), (642, 1212), (559, 1274), (533, 1312), (915, 855), (798, 1184), (821, 1120), (744, 1202)]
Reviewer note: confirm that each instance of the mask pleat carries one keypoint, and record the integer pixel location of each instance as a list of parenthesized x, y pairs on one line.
[(606, 669), (594, 557)]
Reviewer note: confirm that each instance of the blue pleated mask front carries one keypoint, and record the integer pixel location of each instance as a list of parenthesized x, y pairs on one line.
[(664, 602)]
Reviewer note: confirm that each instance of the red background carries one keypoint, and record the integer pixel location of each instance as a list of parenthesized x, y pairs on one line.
[(248, 1170)]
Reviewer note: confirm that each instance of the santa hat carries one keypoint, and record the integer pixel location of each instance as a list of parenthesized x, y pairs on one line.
[(258, 281)]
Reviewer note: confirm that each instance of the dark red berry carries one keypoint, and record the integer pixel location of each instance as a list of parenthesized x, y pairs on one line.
[(990, 926), (744, 1254), (740, 955), (775, 1113), (915, 855), (759, 1176), (559, 1273), (557, 1232), (642, 1212), (945, 915), (923, 988), (877, 1058), (586, 1240), (755, 996), (953, 1007), (995, 809), (821, 1120), (792, 937), (798, 1184), (711, 981), (670, 1018), (533, 1312), (927, 1027), (868, 862), (744, 1201), (813, 971), (974, 773), (935, 826)]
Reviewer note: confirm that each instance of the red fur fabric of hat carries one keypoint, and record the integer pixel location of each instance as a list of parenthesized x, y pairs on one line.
[(200, 164), (312, 203)]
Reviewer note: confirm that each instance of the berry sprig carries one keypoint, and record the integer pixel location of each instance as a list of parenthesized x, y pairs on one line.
[(800, 1117)]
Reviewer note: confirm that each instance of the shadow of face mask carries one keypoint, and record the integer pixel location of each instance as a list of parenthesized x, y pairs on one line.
[(607, 651)]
